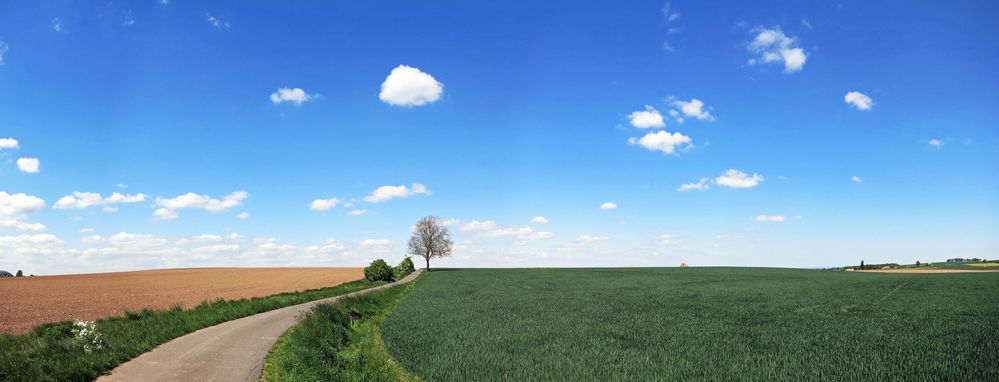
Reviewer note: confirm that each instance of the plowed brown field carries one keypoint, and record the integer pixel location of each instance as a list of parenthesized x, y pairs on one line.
[(29, 301)]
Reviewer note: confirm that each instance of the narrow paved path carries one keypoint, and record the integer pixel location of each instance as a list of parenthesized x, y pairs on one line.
[(230, 351)]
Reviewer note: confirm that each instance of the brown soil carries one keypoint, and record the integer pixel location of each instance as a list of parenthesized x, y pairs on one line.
[(29, 301), (913, 270)]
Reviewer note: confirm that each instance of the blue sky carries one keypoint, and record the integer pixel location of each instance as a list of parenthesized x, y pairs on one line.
[(490, 116)]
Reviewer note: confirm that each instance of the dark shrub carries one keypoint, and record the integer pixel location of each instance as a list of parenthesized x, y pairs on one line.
[(378, 270), (404, 269), (19, 273)]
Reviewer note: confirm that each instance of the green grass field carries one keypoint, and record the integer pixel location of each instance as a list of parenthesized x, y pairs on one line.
[(696, 323)]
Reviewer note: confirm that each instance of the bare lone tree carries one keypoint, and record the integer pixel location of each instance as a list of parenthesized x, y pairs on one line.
[(430, 239)]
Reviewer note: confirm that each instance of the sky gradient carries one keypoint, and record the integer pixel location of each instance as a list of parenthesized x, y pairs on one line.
[(793, 134)]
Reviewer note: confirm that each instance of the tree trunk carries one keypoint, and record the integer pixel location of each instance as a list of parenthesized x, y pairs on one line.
[(428, 263)]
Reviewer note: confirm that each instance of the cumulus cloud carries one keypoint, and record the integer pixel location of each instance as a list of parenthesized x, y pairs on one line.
[(8, 143), (858, 100), (936, 143), (738, 179), (773, 46), (14, 211), (384, 193), (324, 204), (608, 206), (699, 185), (648, 118), (539, 220), (28, 165), (585, 238), (661, 141), (768, 218), (293, 95), (80, 200), (490, 229), (856, 179), (408, 86), (169, 206), (694, 108)]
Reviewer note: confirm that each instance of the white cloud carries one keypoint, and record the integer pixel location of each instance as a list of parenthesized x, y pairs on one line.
[(738, 179), (661, 141), (858, 100), (57, 25), (768, 218), (8, 143), (192, 200), (87, 230), (699, 185), (81, 200), (164, 214), (14, 210), (476, 225), (357, 212), (539, 220), (489, 229), (856, 179), (384, 193), (668, 239), (3, 50), (324, 204), (608, 206), (293, 95), (648, 118), (93, 239), (694, 108), (408, 86), (591, 239), (121, 185), (936, 143), (28, 165), (369, 243), (243, 215), (773, 46), (217, 22)]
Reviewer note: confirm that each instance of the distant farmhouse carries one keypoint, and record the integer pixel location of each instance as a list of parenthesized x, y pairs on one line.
[(5, 274)]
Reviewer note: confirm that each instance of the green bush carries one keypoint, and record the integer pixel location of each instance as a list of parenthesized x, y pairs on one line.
[(404, 268), (379, 270)]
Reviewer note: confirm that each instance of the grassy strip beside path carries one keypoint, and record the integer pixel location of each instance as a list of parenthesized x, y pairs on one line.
[(59, 352), (339, 342)]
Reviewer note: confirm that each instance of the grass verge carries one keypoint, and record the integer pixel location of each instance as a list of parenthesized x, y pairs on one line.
[(64, 352), (339, 342)]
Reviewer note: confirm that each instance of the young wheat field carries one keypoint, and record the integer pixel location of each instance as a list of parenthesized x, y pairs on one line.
[(696, 323)]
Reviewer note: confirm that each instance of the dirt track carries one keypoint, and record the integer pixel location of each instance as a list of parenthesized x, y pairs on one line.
[(913, 270), (30, 301)]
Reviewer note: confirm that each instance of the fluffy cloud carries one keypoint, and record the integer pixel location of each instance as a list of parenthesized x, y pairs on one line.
[(164, 214), (608, 206), (8, 143), (324, 204), (768, 218), (408, 86), (856, 179), (376, 243), (648, 118), (694, 108), (591, 239), (773, 46), (81, 200), (384, 193), (699, 185), (293, 95), (14, 210), (28, 165), (489, 229), (357, 212), (661, 141), (936, 143), (738, 179), (204, 202), (858, 100), (539, 220)]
